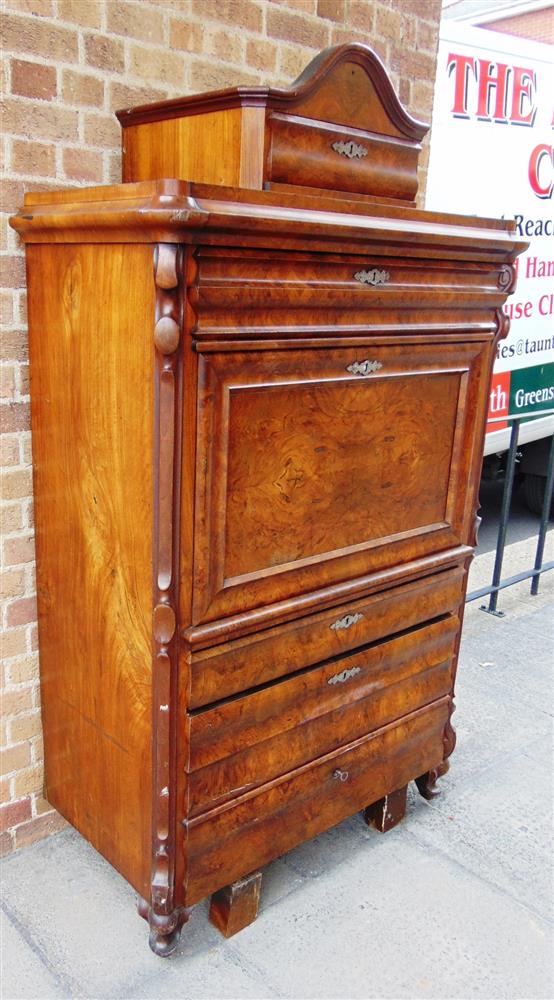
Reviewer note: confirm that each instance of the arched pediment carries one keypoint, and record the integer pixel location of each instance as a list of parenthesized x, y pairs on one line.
[(349, 85), (346, 84)]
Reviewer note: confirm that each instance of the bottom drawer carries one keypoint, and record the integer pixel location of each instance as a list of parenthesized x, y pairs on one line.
[(246, 833)]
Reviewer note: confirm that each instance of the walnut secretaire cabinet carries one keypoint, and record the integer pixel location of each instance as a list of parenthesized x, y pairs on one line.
[(258, 413)]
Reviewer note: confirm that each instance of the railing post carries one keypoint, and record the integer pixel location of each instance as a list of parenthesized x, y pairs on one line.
[(544, 519), (504, 514)]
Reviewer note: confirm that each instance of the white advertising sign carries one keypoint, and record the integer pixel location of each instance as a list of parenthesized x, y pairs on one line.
[(492, 155)]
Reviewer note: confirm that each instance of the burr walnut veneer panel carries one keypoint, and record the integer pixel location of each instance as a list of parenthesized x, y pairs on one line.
[(225, 669), (334, 470)]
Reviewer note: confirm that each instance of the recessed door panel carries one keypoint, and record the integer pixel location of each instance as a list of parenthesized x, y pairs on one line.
[(324, 466), (320, 466)]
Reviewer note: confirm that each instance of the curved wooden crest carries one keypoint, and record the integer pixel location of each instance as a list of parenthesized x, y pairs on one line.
[(347, 84)]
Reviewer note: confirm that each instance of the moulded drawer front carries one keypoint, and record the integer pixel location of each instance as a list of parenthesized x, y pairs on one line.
[(247, 833), (308, 152), (246, 742), (256, 293), (245, 663)]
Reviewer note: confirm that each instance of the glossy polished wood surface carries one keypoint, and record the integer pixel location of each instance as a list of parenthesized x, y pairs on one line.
[(91, 377), (339, 126), (186, 142), (335, 472), (249, 740), (258, 424), (310, 799), (225, 669), (304, 152)]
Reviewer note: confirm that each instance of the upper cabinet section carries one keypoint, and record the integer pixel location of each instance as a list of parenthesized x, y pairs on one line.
[(339, 128)]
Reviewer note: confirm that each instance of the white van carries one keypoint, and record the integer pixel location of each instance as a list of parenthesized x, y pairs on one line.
[(492, 155)]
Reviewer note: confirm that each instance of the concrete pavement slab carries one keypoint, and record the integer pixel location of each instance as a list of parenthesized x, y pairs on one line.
[(400, 920), (25, 973), (503, 839)]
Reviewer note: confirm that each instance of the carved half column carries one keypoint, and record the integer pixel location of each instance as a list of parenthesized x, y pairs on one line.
[(164, 917)]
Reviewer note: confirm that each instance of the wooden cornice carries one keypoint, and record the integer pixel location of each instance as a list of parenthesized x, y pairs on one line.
[(179, 212)]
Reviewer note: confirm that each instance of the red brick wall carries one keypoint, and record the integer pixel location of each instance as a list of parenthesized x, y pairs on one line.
[(68, 64), (538, 25)]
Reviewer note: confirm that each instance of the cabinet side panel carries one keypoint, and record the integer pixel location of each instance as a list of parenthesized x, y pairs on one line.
[(202, 148), (91, 317)]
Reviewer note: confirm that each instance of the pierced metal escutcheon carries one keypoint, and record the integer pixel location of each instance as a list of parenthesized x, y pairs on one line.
[(344, 675), (364, 367), (341, 775), (372, 277), (346, 621), (350, 149)]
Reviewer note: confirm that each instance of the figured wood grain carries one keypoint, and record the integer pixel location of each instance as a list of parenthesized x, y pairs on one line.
[(245, 623), (91, 316), (350, 86), (249, 740), (204, 148), (266, 823), (264, 487), (356, 459), (331, 474), (225, 669), (277, 295), (252, 716), (303, 151)]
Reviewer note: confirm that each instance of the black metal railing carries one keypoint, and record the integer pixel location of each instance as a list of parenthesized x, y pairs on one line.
[(539, 567)]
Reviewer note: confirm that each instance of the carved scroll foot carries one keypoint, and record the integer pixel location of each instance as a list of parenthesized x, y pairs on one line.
[(236, 906), (165, 928), (426, 783), (388, 811)]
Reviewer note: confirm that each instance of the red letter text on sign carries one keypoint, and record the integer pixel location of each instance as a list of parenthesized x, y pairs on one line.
[(539, 156), (488, 79), (524, 81), (461, 65)]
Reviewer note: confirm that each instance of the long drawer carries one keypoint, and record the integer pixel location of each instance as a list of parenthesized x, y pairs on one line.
[(247, 741), (252, 287), (247, 833), (232, 667)]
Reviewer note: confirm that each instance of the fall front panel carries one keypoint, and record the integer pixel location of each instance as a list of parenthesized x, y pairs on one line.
[(324, 464)]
